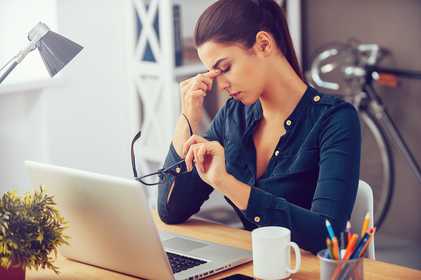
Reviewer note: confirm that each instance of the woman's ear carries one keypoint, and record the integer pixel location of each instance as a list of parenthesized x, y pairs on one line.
[(265, 44)]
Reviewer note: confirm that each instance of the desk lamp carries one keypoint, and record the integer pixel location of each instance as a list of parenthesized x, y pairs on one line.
[(56, 51)]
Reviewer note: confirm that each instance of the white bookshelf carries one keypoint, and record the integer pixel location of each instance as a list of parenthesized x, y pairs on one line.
[(157, 82)]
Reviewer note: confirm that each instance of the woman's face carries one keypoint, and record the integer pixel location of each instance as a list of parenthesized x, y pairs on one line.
[(242, 71)]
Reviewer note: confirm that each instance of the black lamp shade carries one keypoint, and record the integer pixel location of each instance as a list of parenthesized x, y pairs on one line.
[(56, 51)]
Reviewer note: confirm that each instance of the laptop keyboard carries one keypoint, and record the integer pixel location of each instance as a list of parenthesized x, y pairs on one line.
[(179, 263)]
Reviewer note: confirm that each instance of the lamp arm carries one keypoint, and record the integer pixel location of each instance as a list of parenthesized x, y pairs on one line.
[(11, 64)]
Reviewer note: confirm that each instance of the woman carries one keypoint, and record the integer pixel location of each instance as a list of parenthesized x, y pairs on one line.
[(280, 152)]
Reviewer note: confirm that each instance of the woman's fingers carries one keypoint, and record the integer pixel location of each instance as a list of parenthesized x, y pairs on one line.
[(197, 160), (193, 91), (202, 79), (189, 160), (200, 157), (196, 156), (194, 139), (213, 73), (198, 92), (200, 85)]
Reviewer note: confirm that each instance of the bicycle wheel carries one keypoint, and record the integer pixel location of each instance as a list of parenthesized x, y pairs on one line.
[(377, 165)]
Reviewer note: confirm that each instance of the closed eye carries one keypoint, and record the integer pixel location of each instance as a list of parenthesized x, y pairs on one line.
[(226, 69)]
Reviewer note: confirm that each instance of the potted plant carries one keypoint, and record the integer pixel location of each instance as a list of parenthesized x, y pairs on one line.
[(31, 230)]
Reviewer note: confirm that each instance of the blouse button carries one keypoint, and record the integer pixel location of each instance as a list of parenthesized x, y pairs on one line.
[(316, 98), (276, 153), (257, 219)]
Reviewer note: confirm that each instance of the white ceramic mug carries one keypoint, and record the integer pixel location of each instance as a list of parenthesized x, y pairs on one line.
[(271, 253)]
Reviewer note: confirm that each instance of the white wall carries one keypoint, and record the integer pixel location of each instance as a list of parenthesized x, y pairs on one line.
[(22, 136), (17, 18), (87, 119), (22, 112)]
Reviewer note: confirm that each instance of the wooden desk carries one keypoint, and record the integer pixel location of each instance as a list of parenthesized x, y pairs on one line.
[(224, 235)]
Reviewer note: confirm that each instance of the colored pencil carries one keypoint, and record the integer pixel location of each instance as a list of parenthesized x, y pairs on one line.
[(365, 224), (330, 230)]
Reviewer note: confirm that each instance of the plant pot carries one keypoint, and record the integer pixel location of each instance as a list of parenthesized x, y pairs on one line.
[(12, 273)]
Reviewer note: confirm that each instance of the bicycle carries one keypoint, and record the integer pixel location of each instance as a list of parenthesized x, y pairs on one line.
[(353, 70)]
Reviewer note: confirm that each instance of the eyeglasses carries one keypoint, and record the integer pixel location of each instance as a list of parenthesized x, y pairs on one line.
[(162, 175)]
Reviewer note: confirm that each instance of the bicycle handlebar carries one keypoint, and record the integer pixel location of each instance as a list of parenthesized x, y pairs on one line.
[(368, 54), (315, 72), (410, 74)]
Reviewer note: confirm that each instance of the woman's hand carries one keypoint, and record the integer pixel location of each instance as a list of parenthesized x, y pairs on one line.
[(208, 157), (193, 92)]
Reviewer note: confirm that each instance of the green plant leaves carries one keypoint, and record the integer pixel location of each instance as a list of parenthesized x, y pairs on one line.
[(31, 230)]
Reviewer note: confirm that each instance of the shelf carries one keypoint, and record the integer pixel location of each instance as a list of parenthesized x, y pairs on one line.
[(189, 70), (154, 69), (147, 68), (35, 85)]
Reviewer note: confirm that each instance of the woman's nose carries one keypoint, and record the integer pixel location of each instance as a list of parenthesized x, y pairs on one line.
[(222, 82)]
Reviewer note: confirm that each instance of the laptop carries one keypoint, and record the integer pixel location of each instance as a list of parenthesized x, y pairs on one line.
[(110, 226)]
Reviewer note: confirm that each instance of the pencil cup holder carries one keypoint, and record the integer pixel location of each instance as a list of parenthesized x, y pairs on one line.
[(339, 269)]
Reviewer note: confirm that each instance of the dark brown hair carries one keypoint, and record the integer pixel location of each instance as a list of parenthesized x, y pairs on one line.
[(238, 21)]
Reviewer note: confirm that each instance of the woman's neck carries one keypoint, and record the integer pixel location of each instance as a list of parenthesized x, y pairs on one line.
[(282, 93)]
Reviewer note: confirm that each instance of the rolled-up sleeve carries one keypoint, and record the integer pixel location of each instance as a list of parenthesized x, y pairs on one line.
[(337, 183), (181, 197)]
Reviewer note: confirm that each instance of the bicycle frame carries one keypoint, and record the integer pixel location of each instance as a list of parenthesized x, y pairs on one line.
[(359, 73), (368, 73), (381, 113)]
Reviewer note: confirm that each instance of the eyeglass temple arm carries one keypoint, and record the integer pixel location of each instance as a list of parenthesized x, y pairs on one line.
[(136, 137), (176, 168)]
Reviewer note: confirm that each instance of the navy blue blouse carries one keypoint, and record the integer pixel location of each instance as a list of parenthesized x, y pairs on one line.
[(312, 176)]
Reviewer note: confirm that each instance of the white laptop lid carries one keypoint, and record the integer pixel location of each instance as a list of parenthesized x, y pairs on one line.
[(107, 228)]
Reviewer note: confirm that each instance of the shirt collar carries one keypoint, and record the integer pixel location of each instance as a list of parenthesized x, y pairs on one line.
[(254, 112), (300, 109)]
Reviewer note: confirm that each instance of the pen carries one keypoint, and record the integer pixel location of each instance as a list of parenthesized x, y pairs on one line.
[(365, 224), (335, 249), (358, 248), (330, 230), (329, 248), (349, 250), (351, 246), (373, 231), (348, 232), (358, 252), (343, 245)]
